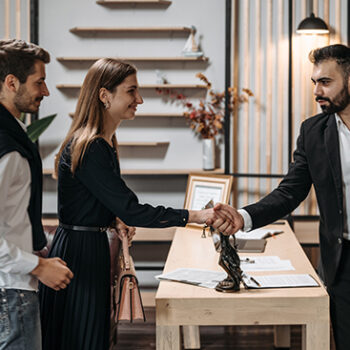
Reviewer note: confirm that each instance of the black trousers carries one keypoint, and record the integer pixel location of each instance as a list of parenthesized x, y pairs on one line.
[(339, 294)]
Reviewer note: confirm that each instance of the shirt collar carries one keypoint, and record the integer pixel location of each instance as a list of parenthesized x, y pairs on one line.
[(339, 121), (23, 126)]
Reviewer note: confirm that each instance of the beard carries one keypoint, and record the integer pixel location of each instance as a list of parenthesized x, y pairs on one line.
[(338, 104), (24, 102)]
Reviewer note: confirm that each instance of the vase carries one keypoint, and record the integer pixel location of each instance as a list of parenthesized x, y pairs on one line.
[(209, 154)]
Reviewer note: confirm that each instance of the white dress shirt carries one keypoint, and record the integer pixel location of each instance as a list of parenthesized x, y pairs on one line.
[(16, 243), (344, 147)]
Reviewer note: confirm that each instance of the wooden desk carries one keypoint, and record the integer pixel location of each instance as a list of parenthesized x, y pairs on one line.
[(181, 304)]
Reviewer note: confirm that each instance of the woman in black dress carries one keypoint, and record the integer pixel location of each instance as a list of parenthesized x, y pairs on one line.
[(91, 194)]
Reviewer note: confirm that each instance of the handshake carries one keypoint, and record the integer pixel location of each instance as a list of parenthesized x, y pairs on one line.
[(222, 217)]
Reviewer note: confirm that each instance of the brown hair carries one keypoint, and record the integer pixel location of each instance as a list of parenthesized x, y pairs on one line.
[(18, 57), (339, 53), (88, 121)]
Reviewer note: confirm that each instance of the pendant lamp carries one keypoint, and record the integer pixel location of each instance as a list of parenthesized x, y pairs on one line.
[(312, 25)]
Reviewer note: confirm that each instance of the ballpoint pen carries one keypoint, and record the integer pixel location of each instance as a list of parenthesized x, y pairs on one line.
[(247, 260), (255, 281)]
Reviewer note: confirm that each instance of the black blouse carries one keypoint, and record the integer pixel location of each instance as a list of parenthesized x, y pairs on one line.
[(96, 194)]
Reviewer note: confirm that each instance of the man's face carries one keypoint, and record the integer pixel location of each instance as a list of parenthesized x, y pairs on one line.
[(331, 88), (30, 94)]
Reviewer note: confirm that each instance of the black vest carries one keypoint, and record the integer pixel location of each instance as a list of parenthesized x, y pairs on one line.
[(13, 138)]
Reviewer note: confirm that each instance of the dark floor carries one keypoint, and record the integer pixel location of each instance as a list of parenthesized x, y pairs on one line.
[(142, 336)]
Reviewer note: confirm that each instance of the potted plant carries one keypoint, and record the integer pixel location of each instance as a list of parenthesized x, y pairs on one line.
[(206, 118)]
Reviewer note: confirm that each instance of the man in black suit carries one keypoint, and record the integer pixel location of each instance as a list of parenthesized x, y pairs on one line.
[(322, 158)]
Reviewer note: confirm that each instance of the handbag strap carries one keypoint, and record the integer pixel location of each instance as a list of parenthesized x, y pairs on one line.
[(126, 254)]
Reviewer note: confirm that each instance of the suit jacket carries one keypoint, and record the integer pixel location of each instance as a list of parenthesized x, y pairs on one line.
[(316, 161)]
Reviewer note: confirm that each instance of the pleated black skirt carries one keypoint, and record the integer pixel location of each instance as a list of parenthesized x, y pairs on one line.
[(78, 317)]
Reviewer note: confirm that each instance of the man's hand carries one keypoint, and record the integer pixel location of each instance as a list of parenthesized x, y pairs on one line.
[(228, 220), (122, 229), (53, 272)]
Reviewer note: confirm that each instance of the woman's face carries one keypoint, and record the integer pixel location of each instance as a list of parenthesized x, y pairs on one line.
[(123, 102)]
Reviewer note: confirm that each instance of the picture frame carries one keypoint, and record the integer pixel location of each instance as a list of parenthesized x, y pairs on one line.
[(203, 188)]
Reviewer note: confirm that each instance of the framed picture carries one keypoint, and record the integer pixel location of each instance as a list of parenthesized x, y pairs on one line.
[(203, 188)]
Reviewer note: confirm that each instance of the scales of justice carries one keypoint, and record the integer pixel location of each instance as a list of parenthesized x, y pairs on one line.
[(229, 259)]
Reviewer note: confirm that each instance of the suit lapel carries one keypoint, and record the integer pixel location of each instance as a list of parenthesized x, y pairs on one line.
[(331, 138)]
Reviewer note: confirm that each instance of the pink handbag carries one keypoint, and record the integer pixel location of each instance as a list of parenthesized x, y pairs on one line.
[(127, 297)]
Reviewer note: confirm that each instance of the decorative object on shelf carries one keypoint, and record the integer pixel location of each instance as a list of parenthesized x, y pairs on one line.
[(207, 118), (208, 154), (191, 48)]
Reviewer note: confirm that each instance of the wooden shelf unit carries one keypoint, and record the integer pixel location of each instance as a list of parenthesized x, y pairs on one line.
[(136, 59), (152, 115), (158, 171), (144, 86), (86, 30), (143, 2), (143, 144)]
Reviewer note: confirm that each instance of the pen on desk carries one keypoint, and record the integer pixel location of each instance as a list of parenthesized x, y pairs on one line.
[(248, 261), (255, 281)]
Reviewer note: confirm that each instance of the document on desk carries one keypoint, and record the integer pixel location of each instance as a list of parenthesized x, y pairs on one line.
[(196, 277), (265, 263), (257, 234), (280, 281)]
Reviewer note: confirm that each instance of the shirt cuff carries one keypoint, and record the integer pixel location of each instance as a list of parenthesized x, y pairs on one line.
[(184, 217), (30, 262), (248, 223)]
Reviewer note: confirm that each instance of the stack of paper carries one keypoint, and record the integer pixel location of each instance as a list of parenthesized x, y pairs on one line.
[(265, 263), (257, 234), (280, 281), (209, 279), (197, 277)]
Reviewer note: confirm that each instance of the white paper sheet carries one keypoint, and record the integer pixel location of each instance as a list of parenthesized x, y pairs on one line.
[(265, 263), (280, 281), (198, 277), (257, 234)]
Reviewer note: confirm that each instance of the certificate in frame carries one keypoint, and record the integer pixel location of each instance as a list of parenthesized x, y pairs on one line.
[(203, 188)]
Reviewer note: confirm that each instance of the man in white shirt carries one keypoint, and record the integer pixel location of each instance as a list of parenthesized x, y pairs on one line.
[(22, 87), (322, 158)]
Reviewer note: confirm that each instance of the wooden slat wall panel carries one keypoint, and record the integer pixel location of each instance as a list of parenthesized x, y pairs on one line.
[(15, 19), (257, 93), (265, 72), (264, 147)]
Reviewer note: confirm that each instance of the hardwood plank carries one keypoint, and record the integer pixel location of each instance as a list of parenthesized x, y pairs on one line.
[(150, 172), (144, 86), (136, 59), (152, 115), (116, 2), (82, 30)]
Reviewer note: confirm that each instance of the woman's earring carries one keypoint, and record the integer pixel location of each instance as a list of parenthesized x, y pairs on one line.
[(107, 105)]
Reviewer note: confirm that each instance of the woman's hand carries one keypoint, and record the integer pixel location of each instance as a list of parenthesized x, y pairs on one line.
[(124, 230), (220, 217)]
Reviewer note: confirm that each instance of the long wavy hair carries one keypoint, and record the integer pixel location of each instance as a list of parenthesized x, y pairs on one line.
[(88, 121)]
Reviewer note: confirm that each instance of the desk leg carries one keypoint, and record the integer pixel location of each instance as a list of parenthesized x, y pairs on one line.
[(281, 337), (315, 335), (191, 337), (168, 338)]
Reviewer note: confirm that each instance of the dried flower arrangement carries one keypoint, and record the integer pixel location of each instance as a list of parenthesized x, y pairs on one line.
[(207, 119)]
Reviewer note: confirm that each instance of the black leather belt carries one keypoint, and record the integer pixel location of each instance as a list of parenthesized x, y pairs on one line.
[(84, 228)]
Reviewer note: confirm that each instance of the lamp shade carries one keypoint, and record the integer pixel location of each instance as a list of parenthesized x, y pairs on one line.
[(312, 25)]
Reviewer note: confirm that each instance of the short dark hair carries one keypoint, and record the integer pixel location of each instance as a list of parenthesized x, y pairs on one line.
[(339, 53), (18, 57)]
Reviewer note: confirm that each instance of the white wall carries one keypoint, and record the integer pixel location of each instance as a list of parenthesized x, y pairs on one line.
[(184, 151)]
